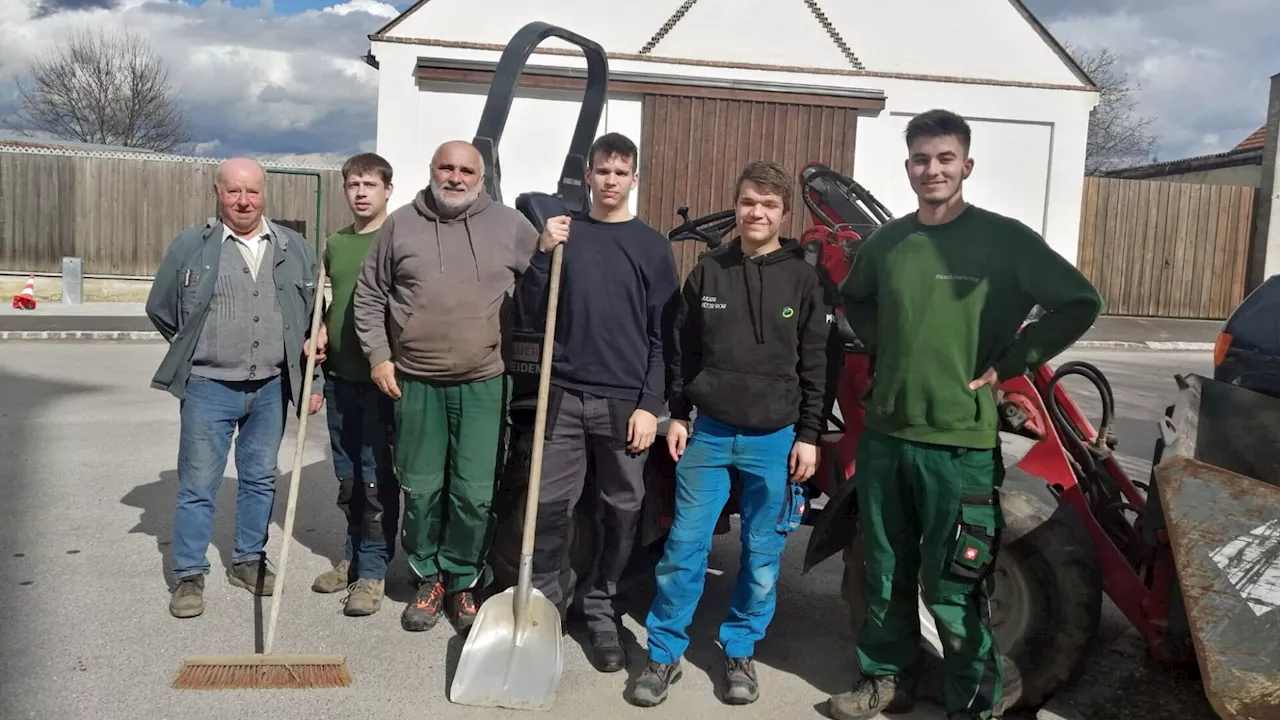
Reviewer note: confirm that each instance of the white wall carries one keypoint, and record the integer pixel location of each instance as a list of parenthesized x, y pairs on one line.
[(1028, 143)]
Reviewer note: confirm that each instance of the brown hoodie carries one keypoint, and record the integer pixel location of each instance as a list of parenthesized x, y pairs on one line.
[(434, 294)]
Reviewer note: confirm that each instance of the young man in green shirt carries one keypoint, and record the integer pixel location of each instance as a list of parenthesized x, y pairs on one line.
[(359, 414), (938, 296)]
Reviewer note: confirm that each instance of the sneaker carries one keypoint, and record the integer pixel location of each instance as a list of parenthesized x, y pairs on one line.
[(607, 654), (743, 689), (364, 597), (254, 576), (423, 610), (331, 581), (869, 697), (463, 609), (187, 600), (651, 687)]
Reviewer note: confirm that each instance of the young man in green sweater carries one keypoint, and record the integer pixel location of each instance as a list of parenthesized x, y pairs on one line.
[(938, 297), (359, 414)]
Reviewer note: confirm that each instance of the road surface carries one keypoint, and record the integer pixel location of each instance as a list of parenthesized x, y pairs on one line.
[(88, 453)]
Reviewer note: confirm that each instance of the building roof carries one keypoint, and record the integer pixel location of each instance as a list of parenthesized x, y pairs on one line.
[(18, 140), (833, 35), (1231, 158), (1255, 140)]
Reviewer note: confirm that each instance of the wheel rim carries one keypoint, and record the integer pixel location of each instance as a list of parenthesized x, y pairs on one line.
[(1010, 603)]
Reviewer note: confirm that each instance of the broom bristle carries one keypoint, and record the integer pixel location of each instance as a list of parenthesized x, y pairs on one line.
[(223, 677)]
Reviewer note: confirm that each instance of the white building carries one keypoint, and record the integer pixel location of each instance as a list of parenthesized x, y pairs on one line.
[(702, 86)]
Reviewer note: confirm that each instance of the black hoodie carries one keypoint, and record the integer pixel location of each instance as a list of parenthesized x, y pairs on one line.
[(749, 343)]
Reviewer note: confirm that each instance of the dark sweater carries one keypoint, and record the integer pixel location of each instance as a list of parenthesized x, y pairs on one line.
[(750, 341), (617, 280)]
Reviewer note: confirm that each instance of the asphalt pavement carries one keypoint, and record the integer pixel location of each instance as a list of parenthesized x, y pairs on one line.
[(89, 451)]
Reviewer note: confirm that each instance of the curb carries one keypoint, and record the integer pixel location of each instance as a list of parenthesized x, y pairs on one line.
[(132, 335), (1148, 345)]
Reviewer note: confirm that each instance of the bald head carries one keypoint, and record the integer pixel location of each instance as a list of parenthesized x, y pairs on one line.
[(457, 176), (241, 187)]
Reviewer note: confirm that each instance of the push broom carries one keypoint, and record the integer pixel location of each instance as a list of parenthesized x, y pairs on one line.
[(268, 670)]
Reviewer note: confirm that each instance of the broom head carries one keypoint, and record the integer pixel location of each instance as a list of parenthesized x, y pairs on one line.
[(224, 672)]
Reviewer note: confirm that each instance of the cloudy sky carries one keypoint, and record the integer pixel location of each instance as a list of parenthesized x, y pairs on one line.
[(1204, 74)]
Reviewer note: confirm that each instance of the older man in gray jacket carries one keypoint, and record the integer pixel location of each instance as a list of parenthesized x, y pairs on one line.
[(233, 298)]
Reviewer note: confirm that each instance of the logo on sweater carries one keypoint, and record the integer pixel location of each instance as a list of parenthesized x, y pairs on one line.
[(711, 302), (788, 312), (965, 278)]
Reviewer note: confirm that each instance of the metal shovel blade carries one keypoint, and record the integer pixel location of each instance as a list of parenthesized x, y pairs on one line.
[(506, 666)]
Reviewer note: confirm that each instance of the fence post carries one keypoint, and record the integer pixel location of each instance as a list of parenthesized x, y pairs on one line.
[(72, 281), (1264, 248)]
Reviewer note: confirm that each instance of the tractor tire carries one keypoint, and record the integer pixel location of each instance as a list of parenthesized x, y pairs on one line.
[(1045, 607)]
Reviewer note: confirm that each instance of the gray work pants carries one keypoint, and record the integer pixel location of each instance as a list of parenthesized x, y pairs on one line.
[(583, 428)]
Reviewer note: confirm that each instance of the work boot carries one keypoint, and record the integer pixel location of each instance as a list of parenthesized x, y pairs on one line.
[(187, 600), (365, 597), (335, 579), (254, 576), (607, 654), (651, 687), (463, 609), (423, 610), (743, 689), (868, 698)]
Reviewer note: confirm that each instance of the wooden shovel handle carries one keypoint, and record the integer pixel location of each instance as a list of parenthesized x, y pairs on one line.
[(540, 418)]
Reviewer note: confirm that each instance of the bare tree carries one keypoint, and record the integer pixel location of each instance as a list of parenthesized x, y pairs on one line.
[(99, 87), (1118, 137)]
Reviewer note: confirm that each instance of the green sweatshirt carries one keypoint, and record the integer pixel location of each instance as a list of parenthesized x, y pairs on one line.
[(344, 258), (939, 305)]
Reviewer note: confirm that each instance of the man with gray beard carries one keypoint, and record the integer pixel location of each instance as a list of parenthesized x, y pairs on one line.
[(432, 306)]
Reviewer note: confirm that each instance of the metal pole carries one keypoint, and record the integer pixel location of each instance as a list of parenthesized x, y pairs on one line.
[(1264, 251)]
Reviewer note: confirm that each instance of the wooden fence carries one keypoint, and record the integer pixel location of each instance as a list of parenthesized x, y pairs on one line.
[(1166, 249), (119, 214)]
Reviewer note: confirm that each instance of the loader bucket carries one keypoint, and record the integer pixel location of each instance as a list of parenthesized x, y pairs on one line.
[(1218, 486)]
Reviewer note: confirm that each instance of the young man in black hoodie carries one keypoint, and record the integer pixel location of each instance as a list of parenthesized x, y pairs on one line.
[(748, 349), (618, 278)]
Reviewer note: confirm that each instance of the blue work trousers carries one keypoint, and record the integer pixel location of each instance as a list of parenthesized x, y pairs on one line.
[(702, 489)]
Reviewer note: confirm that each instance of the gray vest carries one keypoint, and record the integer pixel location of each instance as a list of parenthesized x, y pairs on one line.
[(243, 334)]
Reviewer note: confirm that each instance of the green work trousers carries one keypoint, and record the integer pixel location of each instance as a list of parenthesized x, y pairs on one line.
[(932, 513), (449, 439)]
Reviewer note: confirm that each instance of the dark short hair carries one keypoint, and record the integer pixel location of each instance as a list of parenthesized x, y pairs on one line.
[(611, 144), (939, 123), (365, 163), (770, 176)]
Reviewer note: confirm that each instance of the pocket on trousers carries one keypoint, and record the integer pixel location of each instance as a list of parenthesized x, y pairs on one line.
[(793, 508), (977, 537)]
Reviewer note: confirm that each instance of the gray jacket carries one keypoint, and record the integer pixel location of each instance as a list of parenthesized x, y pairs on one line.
[(178, 312)]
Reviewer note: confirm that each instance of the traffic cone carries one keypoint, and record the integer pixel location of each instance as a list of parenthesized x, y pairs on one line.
[(26, 300)]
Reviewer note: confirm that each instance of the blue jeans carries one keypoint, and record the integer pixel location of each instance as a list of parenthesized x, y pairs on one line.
[(211, 412), (702, 489), (360, 418)]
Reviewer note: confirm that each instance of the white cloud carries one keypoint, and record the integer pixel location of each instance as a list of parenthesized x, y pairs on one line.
[(1204, 74), (255, 83)]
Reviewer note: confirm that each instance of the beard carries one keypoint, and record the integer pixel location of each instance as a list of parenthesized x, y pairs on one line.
[(454, 205)]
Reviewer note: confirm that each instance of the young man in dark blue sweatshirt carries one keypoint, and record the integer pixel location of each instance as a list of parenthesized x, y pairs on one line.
[(618, 278), (748, 349)]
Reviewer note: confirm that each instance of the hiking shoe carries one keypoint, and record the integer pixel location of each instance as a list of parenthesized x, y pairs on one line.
[(651, 687), (187, 600), (254, 576), (463, 609), (364, 597), (335, 579), (743, 689), (423, 610), (607, 654), (868, 698)]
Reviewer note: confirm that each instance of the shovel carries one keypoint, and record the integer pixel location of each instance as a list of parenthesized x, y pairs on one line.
[(513, 657)]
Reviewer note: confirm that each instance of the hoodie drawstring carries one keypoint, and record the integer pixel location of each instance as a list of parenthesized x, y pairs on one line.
[(466, 224), (755, 309), (435, 226)]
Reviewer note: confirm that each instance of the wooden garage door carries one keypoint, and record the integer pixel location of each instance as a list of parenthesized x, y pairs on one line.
[(693, 149)]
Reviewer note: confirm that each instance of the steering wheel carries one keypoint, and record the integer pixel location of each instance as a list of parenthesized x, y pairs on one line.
[(709, 229)]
